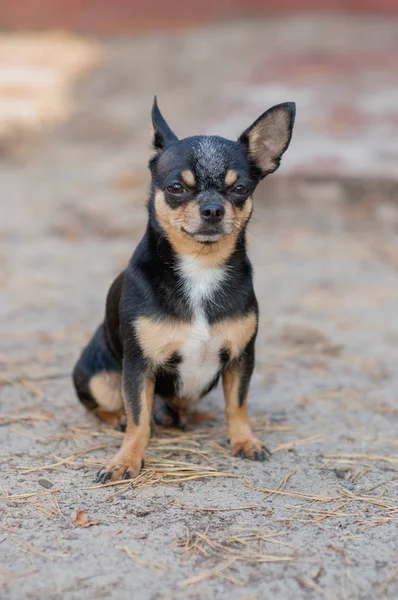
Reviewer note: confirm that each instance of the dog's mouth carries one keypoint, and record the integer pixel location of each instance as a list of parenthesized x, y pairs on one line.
[(208, 235)]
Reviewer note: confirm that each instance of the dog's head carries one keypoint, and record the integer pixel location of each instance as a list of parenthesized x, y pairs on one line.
[(202, 186)]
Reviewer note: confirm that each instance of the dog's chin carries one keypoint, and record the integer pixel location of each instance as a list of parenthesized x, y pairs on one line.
[(205, 237), (209, 238)]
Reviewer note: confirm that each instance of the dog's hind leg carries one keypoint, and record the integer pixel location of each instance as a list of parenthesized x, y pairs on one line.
[(106, 389), (97, 378)]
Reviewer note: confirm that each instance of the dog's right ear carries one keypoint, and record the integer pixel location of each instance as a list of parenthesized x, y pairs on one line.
[(162, 134)]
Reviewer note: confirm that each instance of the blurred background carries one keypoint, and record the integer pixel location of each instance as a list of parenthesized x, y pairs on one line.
[(77, 80), (214, 64)]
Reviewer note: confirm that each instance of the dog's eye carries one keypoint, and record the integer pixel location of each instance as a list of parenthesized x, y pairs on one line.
[(175, 188), (241, 190)]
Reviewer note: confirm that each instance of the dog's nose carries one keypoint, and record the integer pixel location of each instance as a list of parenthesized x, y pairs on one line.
[(212, 213)]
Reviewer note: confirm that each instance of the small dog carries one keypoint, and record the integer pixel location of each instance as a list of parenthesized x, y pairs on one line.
[(184, 313)]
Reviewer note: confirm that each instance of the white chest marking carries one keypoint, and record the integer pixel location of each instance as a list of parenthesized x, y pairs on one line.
[(201, 352)]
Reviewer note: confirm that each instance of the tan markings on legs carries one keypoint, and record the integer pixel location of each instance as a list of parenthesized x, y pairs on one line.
[(188, 177), (239, 429), (131, 454), (106, 389), (159, 339), (235, 333), (230, 177)]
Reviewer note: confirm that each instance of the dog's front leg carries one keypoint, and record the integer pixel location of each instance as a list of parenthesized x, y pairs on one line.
[(138, 389), (236, 380)]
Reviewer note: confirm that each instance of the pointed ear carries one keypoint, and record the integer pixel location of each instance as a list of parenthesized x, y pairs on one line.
[(162, 134), (269, 137)]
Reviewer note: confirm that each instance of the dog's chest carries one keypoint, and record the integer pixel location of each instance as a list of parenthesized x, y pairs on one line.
[(200, 353), (200, 359)]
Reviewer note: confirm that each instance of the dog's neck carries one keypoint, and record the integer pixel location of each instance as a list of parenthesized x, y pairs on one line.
[(200, 284), (183, 283)]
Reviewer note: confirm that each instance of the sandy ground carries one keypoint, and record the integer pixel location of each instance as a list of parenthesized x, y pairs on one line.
[(319, 520)]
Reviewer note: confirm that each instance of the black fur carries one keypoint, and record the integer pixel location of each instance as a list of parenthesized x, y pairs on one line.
[(150, 286)]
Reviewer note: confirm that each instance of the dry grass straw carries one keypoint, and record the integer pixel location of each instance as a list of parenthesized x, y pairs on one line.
[(217, 571), (8, 419), (392, 575), (377, 522), (387, 505), (24, 382), (376, 457), (346, 466), (6, 576), (25, 546), (209, 509), (279, 490), (165, 466), (26, 497), (136, 558), (51, 508), (164, 471), (199, 443), (162, 466), (309, 584), (308, 440), (245, 545), (69, 460), (321, 514)]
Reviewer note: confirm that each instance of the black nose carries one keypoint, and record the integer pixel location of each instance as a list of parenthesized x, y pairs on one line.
[(212, 213)]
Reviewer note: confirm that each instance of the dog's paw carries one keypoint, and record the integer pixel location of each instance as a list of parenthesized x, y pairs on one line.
[(116, 472), (251, 448), (163, 414)]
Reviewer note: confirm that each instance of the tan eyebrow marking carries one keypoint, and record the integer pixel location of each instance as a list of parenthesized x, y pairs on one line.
[(231, 177), (188, 177)]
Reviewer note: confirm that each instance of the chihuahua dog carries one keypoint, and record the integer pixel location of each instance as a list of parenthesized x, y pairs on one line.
[(184, 313)]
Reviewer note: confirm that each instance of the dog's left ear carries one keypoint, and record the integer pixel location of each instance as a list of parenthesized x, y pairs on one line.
[(162, 134), (269, 137)]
